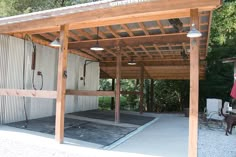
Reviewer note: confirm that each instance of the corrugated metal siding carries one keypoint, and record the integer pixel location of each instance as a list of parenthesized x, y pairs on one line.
[(11, 76), (91, 83)]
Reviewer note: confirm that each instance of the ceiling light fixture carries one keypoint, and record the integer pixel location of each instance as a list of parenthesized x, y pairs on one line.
[(96, 47), (55, 43), (132, 62), (194, 33)]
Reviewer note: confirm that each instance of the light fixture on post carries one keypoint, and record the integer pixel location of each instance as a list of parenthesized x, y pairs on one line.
[(96, 47), (131, 62), (194, 33), (55, 43)]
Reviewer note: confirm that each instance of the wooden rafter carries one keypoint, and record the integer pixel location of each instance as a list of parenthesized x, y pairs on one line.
[(141, 25), (74, 36), (101, 34), (170, 48), (125, 53), (85, 34), (158, 50), (146, 51), (127, 30), (111, 52), (161, 27), (112, 32), (132, 50), (48, 36)]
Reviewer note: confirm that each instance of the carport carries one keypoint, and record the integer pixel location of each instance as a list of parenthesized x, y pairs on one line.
[(151, 33)]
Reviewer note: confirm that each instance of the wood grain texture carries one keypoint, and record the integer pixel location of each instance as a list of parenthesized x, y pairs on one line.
[(29, 93), (194, 88), (61, 84)]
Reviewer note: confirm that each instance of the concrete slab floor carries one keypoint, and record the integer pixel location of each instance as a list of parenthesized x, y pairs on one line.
[(168, 137), (16, 142)]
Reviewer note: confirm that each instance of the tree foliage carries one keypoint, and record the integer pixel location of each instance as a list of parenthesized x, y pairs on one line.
[(15, 7)]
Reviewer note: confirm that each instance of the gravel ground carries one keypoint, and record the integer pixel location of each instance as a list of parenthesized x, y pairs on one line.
[(214, 143)]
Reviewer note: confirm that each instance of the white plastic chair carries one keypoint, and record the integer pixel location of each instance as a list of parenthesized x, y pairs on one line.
[(213, 112)]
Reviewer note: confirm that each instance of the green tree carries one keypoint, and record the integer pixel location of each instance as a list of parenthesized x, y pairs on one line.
[(16, 7), (219, 76)]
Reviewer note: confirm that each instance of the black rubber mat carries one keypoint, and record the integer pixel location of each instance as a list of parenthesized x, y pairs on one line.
[(78, 129)]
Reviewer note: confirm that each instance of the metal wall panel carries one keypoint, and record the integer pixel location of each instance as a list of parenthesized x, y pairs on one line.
[(11, 76)]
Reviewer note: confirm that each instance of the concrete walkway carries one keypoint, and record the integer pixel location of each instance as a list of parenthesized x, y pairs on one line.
[(168, 137)]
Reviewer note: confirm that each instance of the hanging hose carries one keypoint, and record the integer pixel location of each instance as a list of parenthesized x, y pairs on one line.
[(26, 116), (33, 63), (39, 73)]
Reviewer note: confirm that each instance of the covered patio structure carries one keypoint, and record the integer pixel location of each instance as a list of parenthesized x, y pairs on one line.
[(150, 32)]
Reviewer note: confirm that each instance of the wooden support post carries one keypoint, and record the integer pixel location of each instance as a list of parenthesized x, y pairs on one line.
[(194, 88), (152, 95), (61, 84), (118, 68), (141, 89), (147, 88), (112, 98)]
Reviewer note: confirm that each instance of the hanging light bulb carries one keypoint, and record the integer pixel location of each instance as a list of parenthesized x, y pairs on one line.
[(194, 33), (96, 47)]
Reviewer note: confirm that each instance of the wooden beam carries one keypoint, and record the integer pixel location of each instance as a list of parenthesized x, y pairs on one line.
[(130, 92), (132, 41), (141, 25), (105, 13), (61, 84), (118, 31), (28, 93), (111, 52), (48, 36), (147, 73), (161, 27), (209, 30), (141, 89), (194, 88), (112, 98), (170, 48), (131, 34), (152, 95), (125, 53), (100, 34), (145, 50), (158, 50), (90, 93), (85, 34), (113, 32), (132, 50), (118, 76), (74, 36)]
